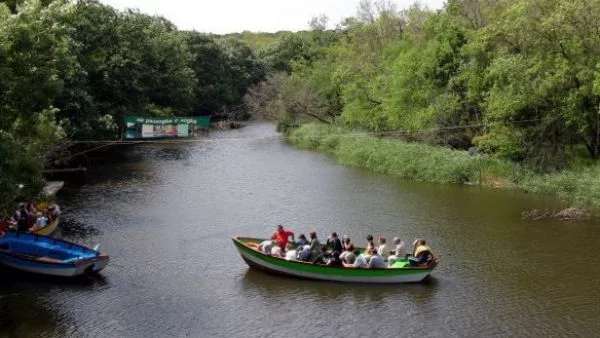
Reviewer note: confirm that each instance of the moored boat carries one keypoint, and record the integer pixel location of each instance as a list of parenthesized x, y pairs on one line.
[(400, 272), (48, 256)]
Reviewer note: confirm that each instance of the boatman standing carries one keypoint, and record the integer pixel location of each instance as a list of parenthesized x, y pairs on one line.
[(283, 236)]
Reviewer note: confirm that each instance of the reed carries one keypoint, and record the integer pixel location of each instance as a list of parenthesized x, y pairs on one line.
[(399, 158), (578, 186)]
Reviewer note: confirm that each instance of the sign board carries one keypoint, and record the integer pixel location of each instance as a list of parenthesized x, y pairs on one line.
[(160, 127)]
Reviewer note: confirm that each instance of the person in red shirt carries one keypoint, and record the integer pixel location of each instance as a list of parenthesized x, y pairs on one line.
[(283, 236)]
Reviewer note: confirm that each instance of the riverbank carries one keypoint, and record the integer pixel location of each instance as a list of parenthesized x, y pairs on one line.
[(397, 158)]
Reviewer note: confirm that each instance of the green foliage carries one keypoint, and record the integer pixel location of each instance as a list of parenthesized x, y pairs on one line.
[(520, 79), (126, 62), (579, 186), (242, 70), (74, 68), (256, 41), (503, 142), (19, 167), (288, 49), (403, 159)]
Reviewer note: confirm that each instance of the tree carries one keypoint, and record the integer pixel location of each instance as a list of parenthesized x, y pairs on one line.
[(288, 49), (242, 69)]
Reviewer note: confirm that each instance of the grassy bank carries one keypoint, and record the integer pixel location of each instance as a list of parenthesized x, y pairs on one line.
[(442, 165)]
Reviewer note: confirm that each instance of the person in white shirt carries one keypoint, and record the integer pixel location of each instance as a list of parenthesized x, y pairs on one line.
[(276, 251), (266, 246), (290, 255), (359, 262), (382, 249), (377, 261), (398, 253)]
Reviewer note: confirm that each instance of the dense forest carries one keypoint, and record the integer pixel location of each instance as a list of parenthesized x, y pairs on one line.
[(73, 69), (511, 80), (518, 79), (514, 81)]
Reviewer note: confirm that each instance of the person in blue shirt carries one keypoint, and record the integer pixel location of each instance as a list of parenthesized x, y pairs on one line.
[(301, 241)]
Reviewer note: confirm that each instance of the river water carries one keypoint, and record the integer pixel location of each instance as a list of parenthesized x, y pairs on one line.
[(165, 214)]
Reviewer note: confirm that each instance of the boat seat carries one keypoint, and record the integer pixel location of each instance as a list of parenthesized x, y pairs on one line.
[(400, 264)]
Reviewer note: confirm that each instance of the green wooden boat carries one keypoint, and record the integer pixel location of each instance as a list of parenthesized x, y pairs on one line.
[(400, 272)]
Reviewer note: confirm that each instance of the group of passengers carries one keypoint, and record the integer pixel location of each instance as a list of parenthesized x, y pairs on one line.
[(336, 252), (28, 217)]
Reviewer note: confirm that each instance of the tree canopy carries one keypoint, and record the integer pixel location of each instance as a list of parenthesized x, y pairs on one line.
[(74, 68), (517, 79)]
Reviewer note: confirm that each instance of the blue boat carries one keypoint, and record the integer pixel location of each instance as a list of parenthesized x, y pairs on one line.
[(48, 256)]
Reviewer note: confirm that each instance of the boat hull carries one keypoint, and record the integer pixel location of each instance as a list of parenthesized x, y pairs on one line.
[(280, 266), (54, 269), (47, 230), (78, 260)]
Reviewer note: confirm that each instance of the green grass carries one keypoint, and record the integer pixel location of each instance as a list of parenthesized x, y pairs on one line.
[(579, 186), (398, 158), (420, 162)]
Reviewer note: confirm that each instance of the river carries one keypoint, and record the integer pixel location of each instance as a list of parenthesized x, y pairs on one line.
[(165, 214)]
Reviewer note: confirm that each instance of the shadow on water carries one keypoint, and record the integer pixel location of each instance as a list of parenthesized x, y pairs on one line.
[(274, 286), (23, 313), (14, 307), (21, 280)]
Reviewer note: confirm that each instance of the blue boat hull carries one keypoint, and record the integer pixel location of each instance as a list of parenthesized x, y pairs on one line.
[(49, 256)]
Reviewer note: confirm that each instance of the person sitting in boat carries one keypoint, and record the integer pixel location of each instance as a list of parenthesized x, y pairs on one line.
[(382, 249), (398, 253), (370, 244), (41, 221), (31, 208), (291, 255), (348, 252), (304, 254), (333, 259), (368, 253), (376, 261), (334, 244), (22, 218), (301, 241), (54, 211), (277, 251), (315, 245), (7, 223), (359, 262), (283, 236), (422, 254), (321, 257), (266, 246)]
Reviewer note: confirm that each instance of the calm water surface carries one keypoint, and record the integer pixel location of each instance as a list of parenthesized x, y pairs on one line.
[(165, 214)]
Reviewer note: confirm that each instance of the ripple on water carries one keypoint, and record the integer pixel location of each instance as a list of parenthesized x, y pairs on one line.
[(165, 213)]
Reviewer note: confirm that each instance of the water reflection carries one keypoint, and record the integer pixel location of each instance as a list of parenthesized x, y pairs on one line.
[(164, 213), (23, 315), (272, 287), (26, 281)]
